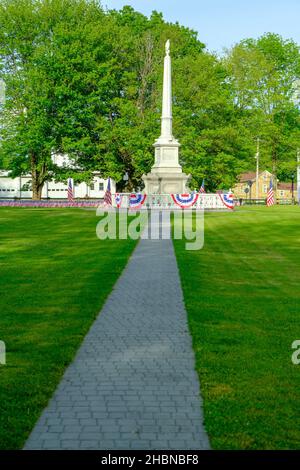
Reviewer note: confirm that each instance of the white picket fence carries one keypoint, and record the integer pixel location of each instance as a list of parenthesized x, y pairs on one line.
[(165, 201)]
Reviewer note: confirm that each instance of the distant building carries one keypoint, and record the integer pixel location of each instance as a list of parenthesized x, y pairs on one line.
[(20, 187), (285, 191), (246, 186)]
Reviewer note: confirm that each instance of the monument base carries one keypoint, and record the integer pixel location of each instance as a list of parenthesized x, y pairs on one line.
[(166, 181)]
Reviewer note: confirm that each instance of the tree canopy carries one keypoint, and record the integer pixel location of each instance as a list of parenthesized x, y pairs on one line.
[(87, 82)]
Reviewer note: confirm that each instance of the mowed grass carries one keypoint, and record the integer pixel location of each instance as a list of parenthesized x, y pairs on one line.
[(242, 296), (55, 276)]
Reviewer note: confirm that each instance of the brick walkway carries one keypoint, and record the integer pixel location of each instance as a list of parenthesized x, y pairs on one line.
[(132, 384)]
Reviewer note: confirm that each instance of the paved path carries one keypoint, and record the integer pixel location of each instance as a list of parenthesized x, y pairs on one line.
[(132, 384)]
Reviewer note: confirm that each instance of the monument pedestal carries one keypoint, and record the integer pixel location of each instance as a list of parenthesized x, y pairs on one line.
[(165, 183), (166, 175)]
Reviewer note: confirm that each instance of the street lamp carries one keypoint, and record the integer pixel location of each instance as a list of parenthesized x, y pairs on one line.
[(250, 183), (125, 178), (293, 177)]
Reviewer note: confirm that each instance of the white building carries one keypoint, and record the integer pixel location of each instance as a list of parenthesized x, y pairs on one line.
[(20, 187)]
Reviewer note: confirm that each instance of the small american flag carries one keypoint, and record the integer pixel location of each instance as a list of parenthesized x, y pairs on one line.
[(270, 195), (202, 189), (70, 190), (107, 196)]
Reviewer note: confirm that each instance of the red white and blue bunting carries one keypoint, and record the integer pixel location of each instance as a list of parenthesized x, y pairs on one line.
[(185, 200), (137, 200), (227, 200), (118, 200)]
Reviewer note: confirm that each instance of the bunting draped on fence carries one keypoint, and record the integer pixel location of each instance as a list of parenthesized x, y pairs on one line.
[(118, 200), (137, 200), (185, 200), (49, 203), (227, 200)]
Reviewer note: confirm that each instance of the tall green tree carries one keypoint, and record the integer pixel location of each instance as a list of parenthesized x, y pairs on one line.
[(202, 106), (263, 74), (50, 56), (88, 83)]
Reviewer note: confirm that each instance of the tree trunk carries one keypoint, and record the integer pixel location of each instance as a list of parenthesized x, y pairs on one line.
[(37, 178), (274, 170), (144, 74), (36, 191)]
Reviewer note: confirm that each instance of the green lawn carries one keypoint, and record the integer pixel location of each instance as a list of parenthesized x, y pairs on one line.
[(241, 293), (242, 296), (55, 276)]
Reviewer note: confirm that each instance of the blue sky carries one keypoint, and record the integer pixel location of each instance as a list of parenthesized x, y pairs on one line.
[(222, 23)]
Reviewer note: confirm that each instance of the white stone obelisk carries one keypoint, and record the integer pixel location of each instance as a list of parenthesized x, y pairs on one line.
[(166, 118), (166, 175)]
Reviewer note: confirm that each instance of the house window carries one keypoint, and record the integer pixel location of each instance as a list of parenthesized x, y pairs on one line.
[(265, 188), (101, 186), (92, 186), (281, 193)]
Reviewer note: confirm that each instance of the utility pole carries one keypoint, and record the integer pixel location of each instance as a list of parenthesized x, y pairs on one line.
[(257, 165)]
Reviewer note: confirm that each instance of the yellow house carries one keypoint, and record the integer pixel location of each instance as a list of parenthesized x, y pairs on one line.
[(245, 188), (285, 191)]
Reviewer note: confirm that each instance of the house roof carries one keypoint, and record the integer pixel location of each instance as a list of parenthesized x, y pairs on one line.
[(286, 186), (250, 175)]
